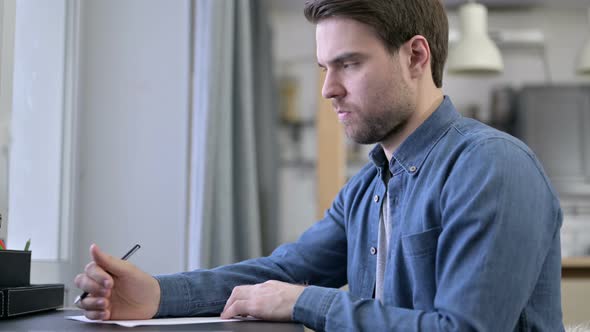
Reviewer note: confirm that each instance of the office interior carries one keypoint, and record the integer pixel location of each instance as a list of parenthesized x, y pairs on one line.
[(103, 115)]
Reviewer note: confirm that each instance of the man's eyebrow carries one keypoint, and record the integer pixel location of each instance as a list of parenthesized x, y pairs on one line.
[(344, 57)]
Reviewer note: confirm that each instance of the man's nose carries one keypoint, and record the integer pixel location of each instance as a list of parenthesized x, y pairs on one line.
[(332, 88)]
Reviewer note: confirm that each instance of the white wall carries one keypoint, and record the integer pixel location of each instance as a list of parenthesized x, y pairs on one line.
[(133, 130)]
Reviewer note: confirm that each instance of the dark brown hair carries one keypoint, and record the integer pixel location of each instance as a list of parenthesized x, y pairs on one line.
[(395, 22)]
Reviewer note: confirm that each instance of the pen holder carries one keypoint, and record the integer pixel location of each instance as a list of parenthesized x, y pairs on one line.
[(15, 268)]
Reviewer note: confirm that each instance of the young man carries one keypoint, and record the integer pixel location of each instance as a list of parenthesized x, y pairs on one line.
[(452, 226)]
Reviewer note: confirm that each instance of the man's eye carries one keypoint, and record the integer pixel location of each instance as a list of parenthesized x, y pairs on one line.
[(348, 65)]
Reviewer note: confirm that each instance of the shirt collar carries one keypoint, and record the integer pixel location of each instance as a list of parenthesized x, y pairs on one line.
[(410, 155)]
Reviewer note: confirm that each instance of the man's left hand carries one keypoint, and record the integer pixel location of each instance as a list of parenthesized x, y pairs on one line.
[(272, 300)]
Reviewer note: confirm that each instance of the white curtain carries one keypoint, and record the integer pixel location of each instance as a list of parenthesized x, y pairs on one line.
[(234, 146)]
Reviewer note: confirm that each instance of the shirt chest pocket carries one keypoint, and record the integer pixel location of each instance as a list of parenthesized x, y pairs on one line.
[(421, 244), (419, 252)]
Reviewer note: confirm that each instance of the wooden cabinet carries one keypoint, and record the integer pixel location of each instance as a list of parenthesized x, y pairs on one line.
[(575, 267)]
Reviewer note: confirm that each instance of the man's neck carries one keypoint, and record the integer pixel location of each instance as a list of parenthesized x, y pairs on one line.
[(425, 106)]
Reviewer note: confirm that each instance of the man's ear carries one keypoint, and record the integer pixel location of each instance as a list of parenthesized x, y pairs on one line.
[(419, 56)]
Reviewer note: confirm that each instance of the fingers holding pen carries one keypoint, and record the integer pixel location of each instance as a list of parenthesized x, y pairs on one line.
[(94, 281), (98, 274), (97, 314), (91, 303), (95, 307)]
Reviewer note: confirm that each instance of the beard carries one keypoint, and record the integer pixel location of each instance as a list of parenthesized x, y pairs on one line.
[(380, 123)]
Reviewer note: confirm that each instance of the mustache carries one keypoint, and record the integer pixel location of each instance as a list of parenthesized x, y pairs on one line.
[(340, 107)]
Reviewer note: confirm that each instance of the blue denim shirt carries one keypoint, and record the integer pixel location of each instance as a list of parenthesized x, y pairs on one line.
[(474, 244)]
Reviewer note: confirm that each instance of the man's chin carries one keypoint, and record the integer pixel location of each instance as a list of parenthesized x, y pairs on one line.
[(361, 140)]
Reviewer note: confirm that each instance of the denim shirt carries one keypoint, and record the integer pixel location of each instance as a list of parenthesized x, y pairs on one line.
[(474, 243)]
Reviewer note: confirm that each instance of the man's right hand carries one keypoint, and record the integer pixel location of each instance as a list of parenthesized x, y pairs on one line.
[(117, 289)]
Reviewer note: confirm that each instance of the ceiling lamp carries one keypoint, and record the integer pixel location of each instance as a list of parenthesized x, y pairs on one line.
[(475, 53), (584, 61)]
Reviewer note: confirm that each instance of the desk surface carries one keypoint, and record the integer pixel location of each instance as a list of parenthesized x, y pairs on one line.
[(55, 321)]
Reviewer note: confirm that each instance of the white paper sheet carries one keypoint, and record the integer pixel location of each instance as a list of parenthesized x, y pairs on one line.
[(158, 321)]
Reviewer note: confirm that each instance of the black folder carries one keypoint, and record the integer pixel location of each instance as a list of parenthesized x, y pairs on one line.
[(23, 300)]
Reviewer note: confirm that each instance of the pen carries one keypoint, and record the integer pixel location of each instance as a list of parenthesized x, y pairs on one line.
[(27, 245), (125, 257)]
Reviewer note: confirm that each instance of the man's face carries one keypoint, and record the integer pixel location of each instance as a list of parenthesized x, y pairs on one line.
[(366, 84)]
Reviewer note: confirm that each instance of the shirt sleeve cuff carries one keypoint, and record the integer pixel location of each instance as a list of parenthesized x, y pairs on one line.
[(312, 306), (173, 295)]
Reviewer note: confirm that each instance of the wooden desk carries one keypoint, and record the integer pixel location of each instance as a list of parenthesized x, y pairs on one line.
[(575, 267), (55, 321)]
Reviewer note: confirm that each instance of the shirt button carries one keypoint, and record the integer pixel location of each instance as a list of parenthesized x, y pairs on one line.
[(412, 169), (376, 198), (373, 251)]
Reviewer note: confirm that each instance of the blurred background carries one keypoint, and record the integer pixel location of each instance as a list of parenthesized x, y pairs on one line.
[(196, 128)]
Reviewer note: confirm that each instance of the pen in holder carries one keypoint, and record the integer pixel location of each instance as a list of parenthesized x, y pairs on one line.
[(16, 268)]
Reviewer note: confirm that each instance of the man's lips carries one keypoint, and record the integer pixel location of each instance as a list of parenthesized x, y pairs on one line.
[(343, 115), (339, 108)]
